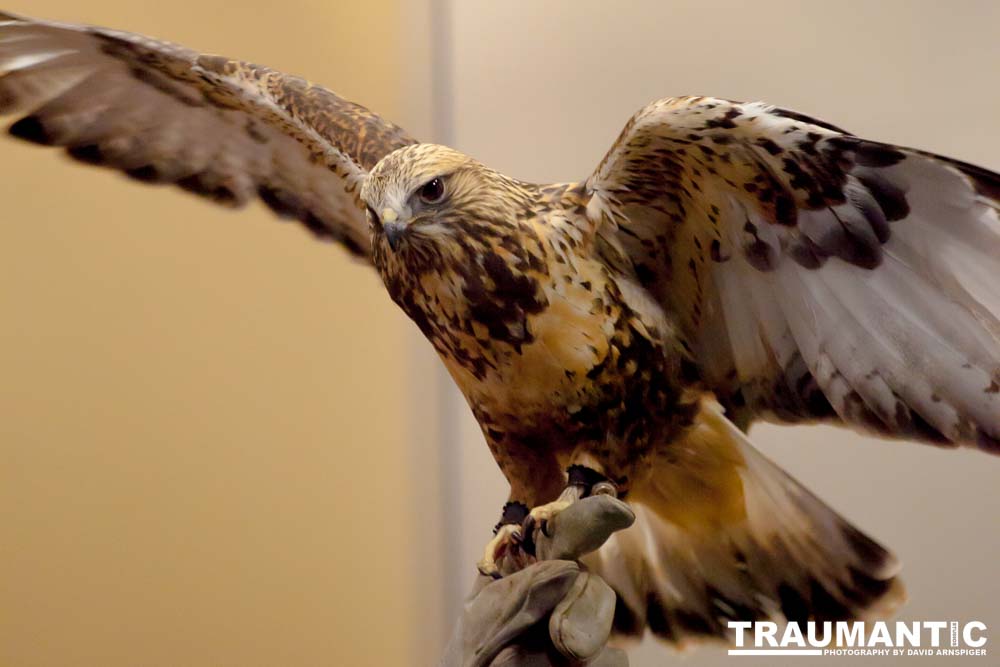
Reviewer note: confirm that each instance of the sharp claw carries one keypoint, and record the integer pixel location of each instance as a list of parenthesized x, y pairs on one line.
[(489, 571), (528, 535), (504, 548)]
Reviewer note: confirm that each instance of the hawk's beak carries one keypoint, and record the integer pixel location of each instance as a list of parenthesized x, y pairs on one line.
[(392, 227), (393, 233)]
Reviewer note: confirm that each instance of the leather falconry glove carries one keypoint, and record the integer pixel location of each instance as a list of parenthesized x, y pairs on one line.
[(553, 612)]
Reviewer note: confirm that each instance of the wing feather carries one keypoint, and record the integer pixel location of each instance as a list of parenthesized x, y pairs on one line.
[(723, 534), (224, 129), (815, 275)]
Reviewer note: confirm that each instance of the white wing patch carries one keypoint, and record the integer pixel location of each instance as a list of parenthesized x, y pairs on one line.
[(816, 275)]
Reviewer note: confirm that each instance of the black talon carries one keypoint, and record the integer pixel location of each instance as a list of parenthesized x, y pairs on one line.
[(528, 535), (491, 575)]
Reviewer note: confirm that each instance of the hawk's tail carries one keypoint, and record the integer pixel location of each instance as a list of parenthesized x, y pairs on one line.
[(723, 534)]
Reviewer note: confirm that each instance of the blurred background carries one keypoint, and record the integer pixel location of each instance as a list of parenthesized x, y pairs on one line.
[(221, 443)]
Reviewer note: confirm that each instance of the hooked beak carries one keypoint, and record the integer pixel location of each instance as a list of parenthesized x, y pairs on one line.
[(392, 228), (393, 233)]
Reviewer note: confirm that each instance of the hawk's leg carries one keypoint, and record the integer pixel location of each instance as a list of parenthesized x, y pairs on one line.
[(581, 482), (535, 477)]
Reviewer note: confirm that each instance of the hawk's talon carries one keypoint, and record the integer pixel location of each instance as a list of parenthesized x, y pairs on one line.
[(528, 535), (503, 552), (538, 520)]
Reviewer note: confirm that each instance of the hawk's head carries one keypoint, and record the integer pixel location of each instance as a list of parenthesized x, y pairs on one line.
[(421, 198), (413, 188), (448, 238)]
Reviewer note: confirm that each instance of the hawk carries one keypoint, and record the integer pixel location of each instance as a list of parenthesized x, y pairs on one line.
[(725, 263)]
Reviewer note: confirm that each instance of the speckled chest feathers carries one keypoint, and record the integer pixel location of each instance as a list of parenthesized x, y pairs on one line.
[(553, 348)]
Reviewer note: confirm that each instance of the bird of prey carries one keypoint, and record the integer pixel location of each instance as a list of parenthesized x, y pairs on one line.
[(725, 263)]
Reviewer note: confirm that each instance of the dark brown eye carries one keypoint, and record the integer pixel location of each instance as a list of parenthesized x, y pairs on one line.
[(432, 191), (373, 214)]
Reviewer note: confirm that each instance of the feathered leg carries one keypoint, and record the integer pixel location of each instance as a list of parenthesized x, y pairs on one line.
[(533, 479)]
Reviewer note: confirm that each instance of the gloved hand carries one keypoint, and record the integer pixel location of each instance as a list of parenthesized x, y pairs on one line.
[(552, 612)]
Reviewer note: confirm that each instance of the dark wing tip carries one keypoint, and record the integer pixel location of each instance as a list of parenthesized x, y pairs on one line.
[(31, 129), (986, 182), (803, 118)]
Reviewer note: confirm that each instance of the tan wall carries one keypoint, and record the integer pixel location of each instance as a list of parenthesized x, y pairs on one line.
[(542, 89), (206, 418)]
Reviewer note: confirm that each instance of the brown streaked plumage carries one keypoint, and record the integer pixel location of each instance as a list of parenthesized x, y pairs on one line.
[(725, 263), (224, 129)]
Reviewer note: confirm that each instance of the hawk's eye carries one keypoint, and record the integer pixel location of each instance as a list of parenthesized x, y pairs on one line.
[(432, 191), (373, 214)]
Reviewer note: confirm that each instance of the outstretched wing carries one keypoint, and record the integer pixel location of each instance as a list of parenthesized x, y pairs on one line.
[(813, 274), (224, 129)]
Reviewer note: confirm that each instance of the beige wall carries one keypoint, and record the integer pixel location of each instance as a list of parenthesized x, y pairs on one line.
[(207, 423), (542, 89)]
